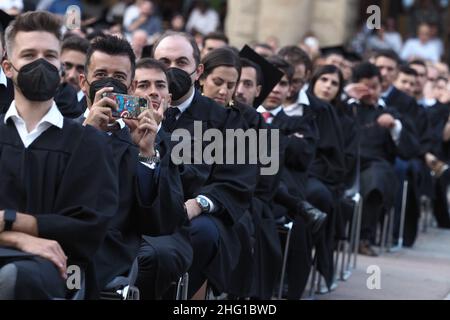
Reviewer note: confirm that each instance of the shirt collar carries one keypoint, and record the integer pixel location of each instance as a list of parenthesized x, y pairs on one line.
[(80, 95), (182, 107), (382, 103), (274, 112), (119, 121), (387, 92), (303, 98), (3, 79), (53, 116)]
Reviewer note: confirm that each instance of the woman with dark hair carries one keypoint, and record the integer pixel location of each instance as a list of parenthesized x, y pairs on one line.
[(327, 84), (257, 271), (222, 69)]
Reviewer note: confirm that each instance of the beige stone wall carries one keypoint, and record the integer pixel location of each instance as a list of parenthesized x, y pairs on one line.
[(251, 21)]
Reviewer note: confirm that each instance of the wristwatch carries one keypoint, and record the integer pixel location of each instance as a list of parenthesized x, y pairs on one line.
[(203, 203), (151, 161), (9, 217)]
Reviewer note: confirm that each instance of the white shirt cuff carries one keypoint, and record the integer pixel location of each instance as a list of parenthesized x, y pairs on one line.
[(396, 131)]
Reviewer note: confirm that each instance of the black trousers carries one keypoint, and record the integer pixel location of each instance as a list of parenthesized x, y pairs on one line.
[(36, 278), (162, 261)]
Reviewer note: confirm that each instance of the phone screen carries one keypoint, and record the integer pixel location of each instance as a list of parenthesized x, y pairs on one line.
[(129, 107)]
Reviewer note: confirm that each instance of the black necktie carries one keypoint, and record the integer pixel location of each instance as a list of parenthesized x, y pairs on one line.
[(170, 119)]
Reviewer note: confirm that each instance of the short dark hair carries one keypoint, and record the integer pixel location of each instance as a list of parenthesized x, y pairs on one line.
[(283, 65), (222, 57), (296, 56), (32, 21), (216, 36), (75, 43), (150, 63), (408, 71), (185, 35), (113, 46), (441, 78), (246, 63), (366, 70), (95, 34), (418, 63), (390, 54)]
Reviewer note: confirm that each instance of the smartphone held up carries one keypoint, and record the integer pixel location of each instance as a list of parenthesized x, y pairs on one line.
[(129, 107)]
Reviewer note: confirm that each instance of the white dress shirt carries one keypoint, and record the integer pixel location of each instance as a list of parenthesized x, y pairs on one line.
[(274, 112), (183, 107), (52, 118), (3, 80), (296, 109)]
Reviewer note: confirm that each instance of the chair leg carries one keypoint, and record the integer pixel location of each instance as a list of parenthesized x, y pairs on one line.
[(285, 257), (358, 232), (313, 278), (403, 215), (182, 287), (384, 232)]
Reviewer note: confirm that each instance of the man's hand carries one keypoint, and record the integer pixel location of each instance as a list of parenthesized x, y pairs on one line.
[(386, 121), (193, 209), (100, 113), (47, 249), (159, 109), (356, 90), (144, 131)]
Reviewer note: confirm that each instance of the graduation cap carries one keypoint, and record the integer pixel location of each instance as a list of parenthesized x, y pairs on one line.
[(5, 20), (271, 74)]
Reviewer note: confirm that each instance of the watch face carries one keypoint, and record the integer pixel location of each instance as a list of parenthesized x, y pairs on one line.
[(203, 203)]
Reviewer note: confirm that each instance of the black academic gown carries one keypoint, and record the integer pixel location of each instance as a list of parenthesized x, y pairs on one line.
[(378, 151), (66, 179), (300, 137), (418, 174), (150, 203), (256, 275), (6, 96), (327, 171), (229, 186)]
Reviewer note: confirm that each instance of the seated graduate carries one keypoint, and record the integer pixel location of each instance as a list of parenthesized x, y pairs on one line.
[(58, 185), (383, 136), (257, 272), (151, 198), (327, 84), (414, 170), (327, 171), (216, 194), (298, 140), (161, 259)]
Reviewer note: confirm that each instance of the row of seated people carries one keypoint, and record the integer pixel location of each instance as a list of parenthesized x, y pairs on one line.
[(215, 220)]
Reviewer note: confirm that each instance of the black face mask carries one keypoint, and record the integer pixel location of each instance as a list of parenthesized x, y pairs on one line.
[(97, 85), (180, 82), (38, 80)]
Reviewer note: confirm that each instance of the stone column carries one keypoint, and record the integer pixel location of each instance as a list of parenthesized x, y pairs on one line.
[(250, 21)]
